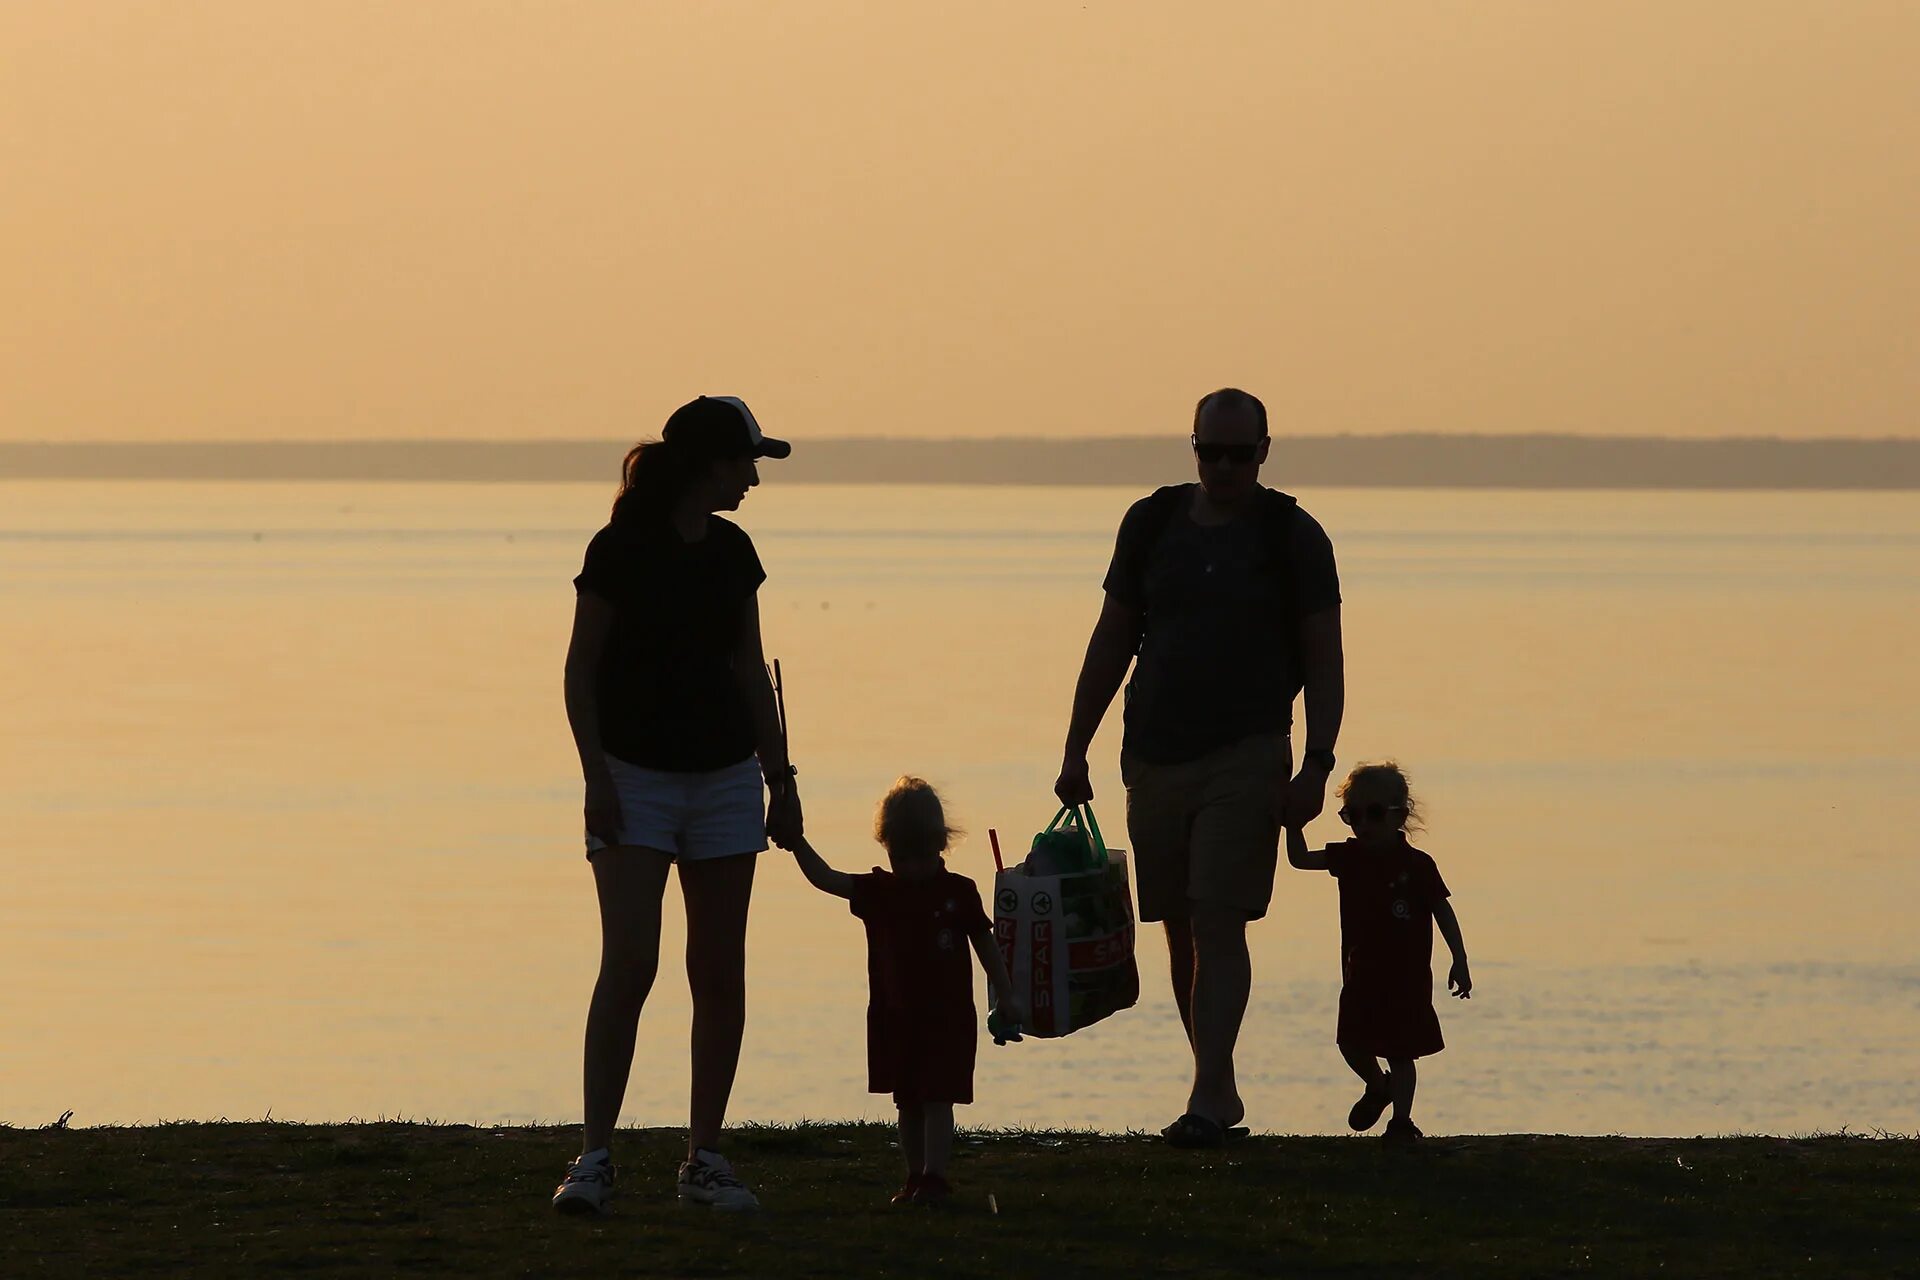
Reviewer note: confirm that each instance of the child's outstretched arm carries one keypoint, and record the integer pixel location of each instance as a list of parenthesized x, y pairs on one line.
[(1459, 979), (1007, 1007), (818, 873), (1299, 856)]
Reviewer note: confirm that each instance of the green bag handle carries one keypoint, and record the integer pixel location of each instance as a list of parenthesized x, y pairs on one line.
[(1082, 814)]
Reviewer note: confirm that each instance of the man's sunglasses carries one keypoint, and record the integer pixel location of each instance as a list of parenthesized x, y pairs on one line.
[(1239, 454), (1372, 813)]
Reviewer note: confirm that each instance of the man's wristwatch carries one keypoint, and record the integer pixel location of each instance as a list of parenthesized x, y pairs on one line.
[(780, 781), (1322, 756)]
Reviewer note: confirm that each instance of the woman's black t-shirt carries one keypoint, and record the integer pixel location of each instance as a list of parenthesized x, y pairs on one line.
[(667, 693)]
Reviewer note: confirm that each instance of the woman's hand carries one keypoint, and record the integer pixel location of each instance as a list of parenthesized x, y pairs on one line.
[(1459, 981), (603, 806), (786, 824)]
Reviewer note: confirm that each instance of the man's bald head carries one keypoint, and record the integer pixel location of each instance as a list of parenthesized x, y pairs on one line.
[(1230, 404)]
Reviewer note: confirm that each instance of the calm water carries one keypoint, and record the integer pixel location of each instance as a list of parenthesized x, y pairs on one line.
[(288, 807)]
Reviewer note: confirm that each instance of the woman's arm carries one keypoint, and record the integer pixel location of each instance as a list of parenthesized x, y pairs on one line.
[(1299, 856), (592, 620), (784, 823), (818, 873)]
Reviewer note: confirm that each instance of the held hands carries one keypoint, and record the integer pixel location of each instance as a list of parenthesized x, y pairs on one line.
[(1459, 981), (786, 824), (1306, 797)]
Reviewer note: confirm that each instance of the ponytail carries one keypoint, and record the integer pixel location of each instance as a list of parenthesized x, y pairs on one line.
[(652, 479)]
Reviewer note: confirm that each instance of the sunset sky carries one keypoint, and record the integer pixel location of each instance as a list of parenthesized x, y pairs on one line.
[(259, 220)]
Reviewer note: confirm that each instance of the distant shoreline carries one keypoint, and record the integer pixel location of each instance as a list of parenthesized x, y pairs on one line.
[(1385, 461)]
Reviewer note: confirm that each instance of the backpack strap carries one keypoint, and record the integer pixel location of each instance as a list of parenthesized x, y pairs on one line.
[(1162, 505), (1279, 516), (1276, 512)]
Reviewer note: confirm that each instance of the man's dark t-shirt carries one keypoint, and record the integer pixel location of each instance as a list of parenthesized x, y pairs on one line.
[(668, 696), (1218, 660)]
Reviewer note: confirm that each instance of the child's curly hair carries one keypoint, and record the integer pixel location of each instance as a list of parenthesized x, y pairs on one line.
[(1387, 781), (910, 821)]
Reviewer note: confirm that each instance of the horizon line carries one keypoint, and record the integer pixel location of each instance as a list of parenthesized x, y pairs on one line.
[(1538, 460)]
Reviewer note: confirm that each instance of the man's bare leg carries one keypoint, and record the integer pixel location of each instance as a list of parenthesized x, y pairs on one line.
[(1222, 982), (1180, 969)]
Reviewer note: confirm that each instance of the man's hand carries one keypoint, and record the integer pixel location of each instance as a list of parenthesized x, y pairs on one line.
[(1459, 981), (786, 825), (1073, 786), (1306, 796), (603, 807)]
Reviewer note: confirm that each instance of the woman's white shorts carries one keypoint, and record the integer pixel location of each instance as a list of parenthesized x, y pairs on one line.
[(690, 815)]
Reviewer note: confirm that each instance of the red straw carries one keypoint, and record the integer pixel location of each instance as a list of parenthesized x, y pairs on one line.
[(994, 837)]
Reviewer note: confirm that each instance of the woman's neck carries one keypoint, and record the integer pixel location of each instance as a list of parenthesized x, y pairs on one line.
[(689, 520)]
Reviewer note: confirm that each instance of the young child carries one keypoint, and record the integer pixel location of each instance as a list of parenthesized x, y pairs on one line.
[(921, 1025), (1391, 897)]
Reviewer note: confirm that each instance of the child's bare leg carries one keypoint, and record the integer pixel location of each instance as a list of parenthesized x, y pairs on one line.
[(1404, 1077), (913, 1137), (939, 1138), (1364, 1065)]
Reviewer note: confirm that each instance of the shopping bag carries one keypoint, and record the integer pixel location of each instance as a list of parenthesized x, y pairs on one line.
[(1063, 919), (1071, 842)]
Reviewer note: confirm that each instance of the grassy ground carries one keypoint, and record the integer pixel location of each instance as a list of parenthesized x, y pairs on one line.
[(382, 1199)]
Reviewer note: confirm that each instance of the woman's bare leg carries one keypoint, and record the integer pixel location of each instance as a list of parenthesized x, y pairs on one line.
[(630, 882), (718, 892)]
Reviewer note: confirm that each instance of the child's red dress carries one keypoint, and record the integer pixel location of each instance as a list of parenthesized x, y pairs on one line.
[(1387, 899), (922, 1030)]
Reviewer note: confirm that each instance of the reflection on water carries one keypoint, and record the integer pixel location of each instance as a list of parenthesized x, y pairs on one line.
[(289, 805)]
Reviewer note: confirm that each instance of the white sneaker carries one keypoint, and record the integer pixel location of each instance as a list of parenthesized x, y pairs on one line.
[(587, 1187), (708, 1179)]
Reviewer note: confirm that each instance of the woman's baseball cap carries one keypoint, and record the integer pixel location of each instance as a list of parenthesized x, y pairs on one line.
[(722, 427)]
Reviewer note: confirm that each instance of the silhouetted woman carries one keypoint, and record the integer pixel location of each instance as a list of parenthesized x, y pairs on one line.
[(671, 710)]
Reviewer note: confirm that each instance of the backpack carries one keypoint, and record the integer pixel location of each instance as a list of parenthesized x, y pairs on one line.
[(1275, 514)]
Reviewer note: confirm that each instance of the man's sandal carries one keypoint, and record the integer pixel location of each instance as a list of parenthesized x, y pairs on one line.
[(1194, 1131)]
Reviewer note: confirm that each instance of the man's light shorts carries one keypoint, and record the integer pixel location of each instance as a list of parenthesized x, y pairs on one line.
[(1208, 830), (692, 816)]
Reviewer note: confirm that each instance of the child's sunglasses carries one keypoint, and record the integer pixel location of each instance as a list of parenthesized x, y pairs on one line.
[(1239, 454), (1372, 813)]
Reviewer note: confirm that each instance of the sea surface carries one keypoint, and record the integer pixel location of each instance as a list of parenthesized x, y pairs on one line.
[(289, 812)]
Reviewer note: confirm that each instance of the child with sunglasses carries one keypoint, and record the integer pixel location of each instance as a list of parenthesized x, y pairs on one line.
[(1391, 898)]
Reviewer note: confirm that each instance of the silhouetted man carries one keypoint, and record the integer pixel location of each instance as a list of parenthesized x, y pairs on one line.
[(1224, 599)]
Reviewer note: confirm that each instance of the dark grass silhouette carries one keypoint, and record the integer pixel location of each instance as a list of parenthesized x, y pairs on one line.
[(392, 1198)]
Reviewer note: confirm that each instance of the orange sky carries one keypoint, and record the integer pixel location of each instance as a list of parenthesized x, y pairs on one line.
[(255, 219)]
